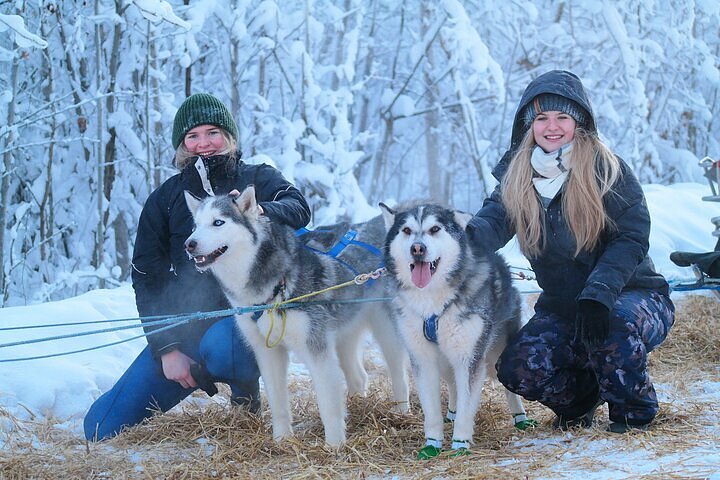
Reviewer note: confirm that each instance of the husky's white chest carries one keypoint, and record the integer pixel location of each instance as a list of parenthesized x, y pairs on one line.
[(427, 320)]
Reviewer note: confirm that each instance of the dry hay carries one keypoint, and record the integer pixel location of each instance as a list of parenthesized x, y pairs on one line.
[(695, 337), (213, 440), (692, 347)]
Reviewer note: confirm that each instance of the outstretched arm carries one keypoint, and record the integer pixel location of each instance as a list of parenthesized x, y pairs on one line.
[(279, 199), (489, 230)]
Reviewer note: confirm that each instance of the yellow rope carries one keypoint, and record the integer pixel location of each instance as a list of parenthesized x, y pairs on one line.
[(271, 314), (358, 280)]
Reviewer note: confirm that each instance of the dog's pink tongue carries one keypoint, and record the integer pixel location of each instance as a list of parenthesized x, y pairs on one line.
[(420, 275)]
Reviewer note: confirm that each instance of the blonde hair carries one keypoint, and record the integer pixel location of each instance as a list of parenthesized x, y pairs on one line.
[(183, 157), (595, 169)]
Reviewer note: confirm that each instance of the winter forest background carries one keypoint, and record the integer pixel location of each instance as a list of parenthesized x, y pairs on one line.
[(356, 101)]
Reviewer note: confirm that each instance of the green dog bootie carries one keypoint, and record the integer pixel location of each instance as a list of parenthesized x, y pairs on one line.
[(522, 422), (460, 448), (431, 449)]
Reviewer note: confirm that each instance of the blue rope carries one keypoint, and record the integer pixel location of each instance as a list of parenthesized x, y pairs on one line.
[(73, 324), (174, 321), (97, 347), (169, 321)]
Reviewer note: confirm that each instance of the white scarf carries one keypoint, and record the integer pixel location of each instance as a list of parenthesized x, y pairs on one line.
[(553, 169)]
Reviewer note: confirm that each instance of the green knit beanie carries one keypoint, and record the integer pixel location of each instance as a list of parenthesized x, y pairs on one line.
[(201, 109)]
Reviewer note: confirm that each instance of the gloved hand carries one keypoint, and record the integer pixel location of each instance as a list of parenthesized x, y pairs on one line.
[(203, 378), (592, 323)]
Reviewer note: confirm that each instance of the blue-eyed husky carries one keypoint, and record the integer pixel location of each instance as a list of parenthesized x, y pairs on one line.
[(455, 310), (261, 262)]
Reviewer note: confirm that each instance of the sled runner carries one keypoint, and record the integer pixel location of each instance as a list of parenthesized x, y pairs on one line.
[(706, 267)]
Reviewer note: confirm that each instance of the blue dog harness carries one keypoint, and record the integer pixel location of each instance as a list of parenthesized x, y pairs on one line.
[(279, 289), (336, 250), (430, 328), (347, 239), (430, 324)]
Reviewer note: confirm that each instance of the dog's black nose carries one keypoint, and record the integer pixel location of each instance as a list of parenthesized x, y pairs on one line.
[(190, 245), (418, 249)]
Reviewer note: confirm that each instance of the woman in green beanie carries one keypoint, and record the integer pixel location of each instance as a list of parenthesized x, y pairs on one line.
[(179, 360)]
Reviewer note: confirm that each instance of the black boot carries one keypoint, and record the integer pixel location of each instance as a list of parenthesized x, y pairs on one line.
[(585, 420), (246, 395), (624, 427)]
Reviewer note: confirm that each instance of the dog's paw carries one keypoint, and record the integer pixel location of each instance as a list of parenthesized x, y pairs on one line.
[(282, 432), (401, 407)]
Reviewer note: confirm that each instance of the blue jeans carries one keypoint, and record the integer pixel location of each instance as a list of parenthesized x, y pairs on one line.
[(143, 389)]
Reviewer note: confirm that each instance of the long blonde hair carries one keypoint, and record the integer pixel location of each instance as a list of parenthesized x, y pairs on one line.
[(595, 169), (183, 157)]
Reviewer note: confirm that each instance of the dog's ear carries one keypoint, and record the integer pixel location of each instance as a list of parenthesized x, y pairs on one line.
[(245, 201), (388, 215), (192, 202), (462, 218)]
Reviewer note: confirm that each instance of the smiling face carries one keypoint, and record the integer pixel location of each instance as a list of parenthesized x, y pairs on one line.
[(553, 129), (205, 140)]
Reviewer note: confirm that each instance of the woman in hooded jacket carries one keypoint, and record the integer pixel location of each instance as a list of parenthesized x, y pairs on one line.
[(581, 219), (180, 359)]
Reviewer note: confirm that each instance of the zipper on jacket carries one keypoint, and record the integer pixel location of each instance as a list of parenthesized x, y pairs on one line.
[(202, 171)]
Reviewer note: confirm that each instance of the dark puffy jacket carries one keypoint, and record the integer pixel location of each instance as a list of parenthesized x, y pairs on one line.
[(164, 278), (619, 261)]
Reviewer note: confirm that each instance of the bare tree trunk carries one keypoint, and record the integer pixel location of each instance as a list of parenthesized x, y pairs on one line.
[(78, 79), (381, 158), (235, 83), (47, 203), (100, 233), (470, 128), (7, 167), (432, 119), (262, 67), (362, 118), (339, 47), (188, 70), (381, 154), (149, 163), (120, 231), (156, 145), (122, 245), (304, 80)]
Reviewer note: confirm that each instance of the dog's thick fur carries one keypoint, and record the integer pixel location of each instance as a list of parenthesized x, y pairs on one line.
[(476, 307), (261, 262)]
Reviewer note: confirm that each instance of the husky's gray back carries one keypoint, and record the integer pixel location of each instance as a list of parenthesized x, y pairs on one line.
[(372, 233), (308, 270), (361, 255)]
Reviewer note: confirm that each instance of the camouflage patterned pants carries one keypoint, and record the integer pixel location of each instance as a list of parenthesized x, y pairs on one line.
[(544, 362)]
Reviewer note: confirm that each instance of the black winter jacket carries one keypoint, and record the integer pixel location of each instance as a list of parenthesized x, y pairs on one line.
[(619, 262), (164, 278)]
